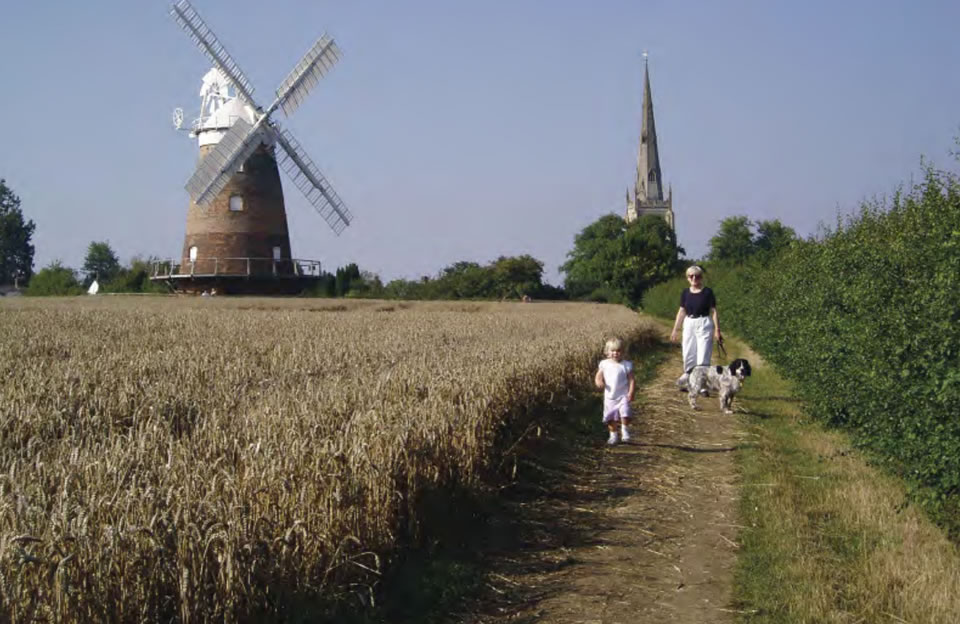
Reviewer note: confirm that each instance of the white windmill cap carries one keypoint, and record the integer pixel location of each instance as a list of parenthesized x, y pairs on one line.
[(214, 80), (226, 115)]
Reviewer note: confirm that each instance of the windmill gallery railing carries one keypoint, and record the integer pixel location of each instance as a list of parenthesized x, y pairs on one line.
[(230, 267)]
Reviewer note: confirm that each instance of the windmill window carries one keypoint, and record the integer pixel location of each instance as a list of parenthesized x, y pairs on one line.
[(276, 253), (236, 203), (193, 254)]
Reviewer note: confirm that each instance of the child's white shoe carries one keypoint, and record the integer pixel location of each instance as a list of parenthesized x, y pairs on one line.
[(613, 439), (624, 434)]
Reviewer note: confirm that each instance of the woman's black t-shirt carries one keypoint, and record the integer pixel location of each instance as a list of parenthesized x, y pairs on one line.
[(698, 304)]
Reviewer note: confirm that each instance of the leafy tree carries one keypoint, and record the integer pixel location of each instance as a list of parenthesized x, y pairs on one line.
[(736, 242), (517, 276), (326, 286), (733, 242), (650, 253), (509, 277), (54, 279), (345, 276), (588, 267), (550, 292), (101, 263), (458, 268), (368, 285), (403, 289), (135, 278), (615, 261), (467, 280), (772, 238), (16, 252)]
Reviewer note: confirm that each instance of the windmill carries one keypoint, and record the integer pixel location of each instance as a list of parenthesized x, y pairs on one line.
[(236, 235)]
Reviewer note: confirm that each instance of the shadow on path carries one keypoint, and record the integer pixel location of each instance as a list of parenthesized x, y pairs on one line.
[(694, 449)]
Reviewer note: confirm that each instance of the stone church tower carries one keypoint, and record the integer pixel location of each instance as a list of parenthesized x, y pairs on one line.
[(648, 188)]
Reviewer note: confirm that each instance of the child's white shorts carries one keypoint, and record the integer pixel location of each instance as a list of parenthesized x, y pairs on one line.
[(614, 410)]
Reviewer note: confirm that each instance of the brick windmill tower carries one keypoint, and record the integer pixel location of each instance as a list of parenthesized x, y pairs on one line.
[(236, 236)]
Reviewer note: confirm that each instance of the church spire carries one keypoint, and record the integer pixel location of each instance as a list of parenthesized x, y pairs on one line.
[(649, 185), (648, 189)]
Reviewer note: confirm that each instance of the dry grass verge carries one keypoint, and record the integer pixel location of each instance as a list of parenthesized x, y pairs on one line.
[(828, 537)]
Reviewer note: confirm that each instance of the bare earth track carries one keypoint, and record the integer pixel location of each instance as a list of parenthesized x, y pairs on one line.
[(640, 532)]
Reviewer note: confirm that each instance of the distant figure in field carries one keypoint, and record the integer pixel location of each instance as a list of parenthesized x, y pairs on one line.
[(615, 377), (527, 299), (698, 315)]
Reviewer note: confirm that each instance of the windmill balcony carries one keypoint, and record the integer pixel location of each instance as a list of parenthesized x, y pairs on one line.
[(240, 276), (249, 267)]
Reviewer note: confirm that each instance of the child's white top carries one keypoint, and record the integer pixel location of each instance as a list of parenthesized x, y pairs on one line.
[(615, 381)]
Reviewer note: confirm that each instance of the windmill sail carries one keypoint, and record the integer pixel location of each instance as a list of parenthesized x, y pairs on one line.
[(243, 138), (311, 182), (312, 67), (218, 166), (190, 21)]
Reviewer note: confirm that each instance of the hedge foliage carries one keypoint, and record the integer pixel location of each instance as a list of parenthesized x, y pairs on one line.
[(864, 319)]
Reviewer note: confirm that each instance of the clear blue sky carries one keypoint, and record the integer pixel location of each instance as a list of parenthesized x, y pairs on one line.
[(468, 130)]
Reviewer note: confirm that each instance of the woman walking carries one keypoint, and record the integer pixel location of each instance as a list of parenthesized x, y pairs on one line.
[(698, 317)]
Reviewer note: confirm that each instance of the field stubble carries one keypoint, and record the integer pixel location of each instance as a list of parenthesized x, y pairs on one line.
[(200, 459)]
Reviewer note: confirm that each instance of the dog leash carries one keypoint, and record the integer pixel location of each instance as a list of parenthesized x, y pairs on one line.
[(723, 352)]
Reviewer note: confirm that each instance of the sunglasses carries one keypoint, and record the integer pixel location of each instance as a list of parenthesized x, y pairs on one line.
[(694, 276)]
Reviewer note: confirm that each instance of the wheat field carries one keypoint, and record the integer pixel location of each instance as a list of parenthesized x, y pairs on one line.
[(192, 460)]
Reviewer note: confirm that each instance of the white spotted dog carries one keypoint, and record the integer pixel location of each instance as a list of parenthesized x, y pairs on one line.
[(724, 380)]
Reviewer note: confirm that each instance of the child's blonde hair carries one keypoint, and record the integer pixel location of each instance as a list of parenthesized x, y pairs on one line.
[(612, 344)]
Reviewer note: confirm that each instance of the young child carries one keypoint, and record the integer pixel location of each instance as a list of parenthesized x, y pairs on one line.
[(615, 378)]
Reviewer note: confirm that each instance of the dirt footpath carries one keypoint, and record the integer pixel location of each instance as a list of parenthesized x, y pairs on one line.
[(640, 532)]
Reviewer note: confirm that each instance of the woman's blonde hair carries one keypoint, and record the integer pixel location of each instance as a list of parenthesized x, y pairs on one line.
[(694, 270)]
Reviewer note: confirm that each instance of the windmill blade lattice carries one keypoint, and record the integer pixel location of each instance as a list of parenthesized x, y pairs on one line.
[(219, 165), (188, 18), (315, 64), (314, 186), (242, 139)]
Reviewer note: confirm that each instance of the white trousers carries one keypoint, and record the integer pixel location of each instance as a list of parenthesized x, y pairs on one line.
[(697, 342)]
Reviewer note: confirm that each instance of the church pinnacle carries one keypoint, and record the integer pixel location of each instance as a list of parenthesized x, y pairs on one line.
[(648, 160), (648, 187)]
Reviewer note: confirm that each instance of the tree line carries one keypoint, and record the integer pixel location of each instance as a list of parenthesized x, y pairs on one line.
[(611, 261)]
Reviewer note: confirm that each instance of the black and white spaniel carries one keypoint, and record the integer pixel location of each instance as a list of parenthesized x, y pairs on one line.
[(723, 380)]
